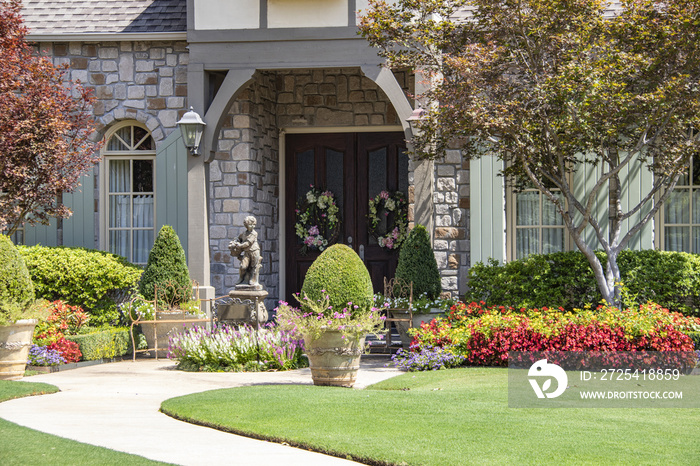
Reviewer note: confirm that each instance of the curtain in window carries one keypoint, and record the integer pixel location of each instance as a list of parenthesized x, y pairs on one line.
[(119, 207), (130, 216), (527, 213), (677, 211), (143, 218)]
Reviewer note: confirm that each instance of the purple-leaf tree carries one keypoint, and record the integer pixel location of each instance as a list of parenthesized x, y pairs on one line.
[(550, 86), (45, 128)]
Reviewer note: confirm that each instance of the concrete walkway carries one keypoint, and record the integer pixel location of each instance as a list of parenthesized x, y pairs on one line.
[(116, 406)]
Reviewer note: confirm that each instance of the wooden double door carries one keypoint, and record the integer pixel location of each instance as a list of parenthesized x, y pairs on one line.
[(355, 167)]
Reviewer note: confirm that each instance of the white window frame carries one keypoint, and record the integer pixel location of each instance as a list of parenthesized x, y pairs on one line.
[(511, 227), (132, 155), (660, 217)]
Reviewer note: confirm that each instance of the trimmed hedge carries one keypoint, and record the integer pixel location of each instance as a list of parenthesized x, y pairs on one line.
[(81, 277), (340, 272), (565, 279), (103, 345)]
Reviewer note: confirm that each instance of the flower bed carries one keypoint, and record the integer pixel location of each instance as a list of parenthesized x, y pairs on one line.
[(243, 349), (485, 335)]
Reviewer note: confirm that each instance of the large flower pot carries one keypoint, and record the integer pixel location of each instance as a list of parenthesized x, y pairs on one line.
[(334, 360), (15, 341)]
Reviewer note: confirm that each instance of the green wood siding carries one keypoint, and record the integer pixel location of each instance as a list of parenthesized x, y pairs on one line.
[(171, 186), (79, 229), (583, 182), (637, 180), (46, 235), (487, 216)]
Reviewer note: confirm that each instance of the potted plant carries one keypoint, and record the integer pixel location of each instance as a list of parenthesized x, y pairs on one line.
[(18, 311), (336, 312)]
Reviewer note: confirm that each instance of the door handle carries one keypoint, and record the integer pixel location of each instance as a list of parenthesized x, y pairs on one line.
[(349, 240), (362, 252)]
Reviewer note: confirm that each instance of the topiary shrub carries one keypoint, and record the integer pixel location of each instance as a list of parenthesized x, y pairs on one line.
[(340, 273), (166, 269), (106, 344), (16, 287), (94, 280), (417, 264), (671, 279)]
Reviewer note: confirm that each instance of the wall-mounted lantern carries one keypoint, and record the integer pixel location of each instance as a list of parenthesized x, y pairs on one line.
[(417, 115), (191, 127)]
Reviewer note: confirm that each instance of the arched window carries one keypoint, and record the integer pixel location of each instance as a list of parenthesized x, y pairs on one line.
[(129, 192)]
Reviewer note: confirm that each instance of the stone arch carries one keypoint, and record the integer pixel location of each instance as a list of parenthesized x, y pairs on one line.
[(119, 116)]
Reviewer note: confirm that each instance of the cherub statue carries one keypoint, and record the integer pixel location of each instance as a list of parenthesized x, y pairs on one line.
[(247, 250)]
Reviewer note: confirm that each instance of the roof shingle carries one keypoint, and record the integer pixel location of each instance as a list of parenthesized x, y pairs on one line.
[(104, 16)]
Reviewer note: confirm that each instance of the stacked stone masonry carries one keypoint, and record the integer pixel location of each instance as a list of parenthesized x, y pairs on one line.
[(451, 207), (244, 177), (142, 81)]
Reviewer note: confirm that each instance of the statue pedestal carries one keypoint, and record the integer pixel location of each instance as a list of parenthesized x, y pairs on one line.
[(248, 306)]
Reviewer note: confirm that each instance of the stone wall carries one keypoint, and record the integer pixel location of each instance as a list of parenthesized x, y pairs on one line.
[(451, 209), (142, 81), (244, 180), (244, 177)]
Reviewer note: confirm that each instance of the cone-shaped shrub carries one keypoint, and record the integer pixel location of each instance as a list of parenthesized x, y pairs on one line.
[(167, 269), (417, 264), (342, 274), (16, 287)]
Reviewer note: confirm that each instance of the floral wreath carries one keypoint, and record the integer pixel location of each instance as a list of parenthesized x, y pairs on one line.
[(317, 216), (383, 205)]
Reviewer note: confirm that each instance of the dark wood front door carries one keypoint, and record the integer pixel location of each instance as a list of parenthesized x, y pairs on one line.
[(355, 167)]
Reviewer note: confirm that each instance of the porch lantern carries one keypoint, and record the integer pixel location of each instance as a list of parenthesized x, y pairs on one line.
[(191, 128), (417, 115)]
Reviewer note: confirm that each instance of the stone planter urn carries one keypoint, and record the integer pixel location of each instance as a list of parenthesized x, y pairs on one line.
[(333, 360), (15, 341)]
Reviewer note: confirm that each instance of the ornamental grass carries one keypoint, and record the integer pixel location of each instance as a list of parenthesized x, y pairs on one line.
[(229, 349)]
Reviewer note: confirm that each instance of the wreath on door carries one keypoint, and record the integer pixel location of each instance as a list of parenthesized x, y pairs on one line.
[(391, 234), (317, 220)]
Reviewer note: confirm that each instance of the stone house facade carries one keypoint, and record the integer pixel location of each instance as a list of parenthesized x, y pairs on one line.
[(263, 78)]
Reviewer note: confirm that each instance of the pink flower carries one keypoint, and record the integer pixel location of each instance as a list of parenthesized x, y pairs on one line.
[(314, 230), (384, 195)]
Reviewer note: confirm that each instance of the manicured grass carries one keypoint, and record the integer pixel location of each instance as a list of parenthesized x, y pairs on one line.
[(22, 446), (451, 417)]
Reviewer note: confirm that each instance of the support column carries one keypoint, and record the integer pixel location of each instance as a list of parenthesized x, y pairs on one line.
[(198, 222)]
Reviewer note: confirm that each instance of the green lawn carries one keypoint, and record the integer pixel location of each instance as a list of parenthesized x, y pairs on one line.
[(22, 446), (457, 416)]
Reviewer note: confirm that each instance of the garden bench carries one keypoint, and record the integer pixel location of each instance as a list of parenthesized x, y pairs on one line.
[(400, 317), (161, 318)]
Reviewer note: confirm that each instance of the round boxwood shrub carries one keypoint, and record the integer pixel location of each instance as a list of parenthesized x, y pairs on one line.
[(94, 280), (16, 287), (339, 272), (417, 264), (167, 270)]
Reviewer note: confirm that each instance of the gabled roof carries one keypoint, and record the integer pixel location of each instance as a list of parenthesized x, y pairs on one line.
[(104, 17)]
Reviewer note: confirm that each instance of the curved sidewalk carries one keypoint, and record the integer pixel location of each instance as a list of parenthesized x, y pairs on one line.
[(116, 406)]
